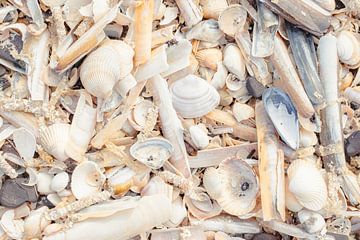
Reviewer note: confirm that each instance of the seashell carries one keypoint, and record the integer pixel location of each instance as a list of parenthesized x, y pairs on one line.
[(199, 136), (44, 182), (25, 143), (219, 78), (213, 8), (312, 222), (193, 97), (232, 19), (202, 208), (207, 31), (310, 192), (326, 4), (178, 213), (54, 198), (124, 85), (59, 182), (14, 228), (291, 202), (234, 84), (35, 223), (152, 152), (52, 229), (86, 179), (209, 57), (170, 14), (106, 65), (307, 138), (283, 115), (233, 185), (141, 111), (54, 140), (156, 185), (234, 61), (242, 111), (348, 48), (120, 180)]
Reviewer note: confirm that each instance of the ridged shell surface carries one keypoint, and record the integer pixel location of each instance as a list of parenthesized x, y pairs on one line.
[(193, 97), (54, 139)]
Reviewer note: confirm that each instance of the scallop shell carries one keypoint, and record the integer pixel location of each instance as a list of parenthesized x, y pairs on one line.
[(213, 8), (59, 181), (199, 136), (193, 97), (348, 48), (207, 31), (311, 192), (87, 179), (209, 57), (232, 19), (234, 185), (152, 152), (54, 140), (242, 111), (311, 221), (234, 61), (102, 68)]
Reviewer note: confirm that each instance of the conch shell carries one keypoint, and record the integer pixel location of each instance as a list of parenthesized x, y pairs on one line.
[(102, 68)]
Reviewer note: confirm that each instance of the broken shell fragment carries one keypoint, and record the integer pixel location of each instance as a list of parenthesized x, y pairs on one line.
[(87, 179), (348, 48), (209, 57), (283, 115), (193, 96), (233, 185), (152, 152), (213, 8), (232, 19), (352, 146), (14, 193), (207, 31), (199, 136), (54, 140), (242, 111)]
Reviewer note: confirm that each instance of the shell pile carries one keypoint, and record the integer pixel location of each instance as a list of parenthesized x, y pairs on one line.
[(179, 119)]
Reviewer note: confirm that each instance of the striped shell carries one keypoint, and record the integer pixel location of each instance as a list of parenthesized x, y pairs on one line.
[(54, 139), (105, 66)]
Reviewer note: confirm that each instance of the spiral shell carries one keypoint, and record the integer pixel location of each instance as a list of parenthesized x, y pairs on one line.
[(234, 185), (348, 48), (193, 97), (232, 19), (105, 66), (54, 140), (234, 61), (311, 192)]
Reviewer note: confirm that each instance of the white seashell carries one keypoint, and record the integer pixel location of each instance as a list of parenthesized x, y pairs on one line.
[(170, 14), (311, 192), (106, 65), (213, 8), (22, 211), (59, 182), (199, 136), (87, 179), (13, 228), (65, 193), (209, 57), (242, 111), (52, 229), (155, 186), (348, 48), (141, 111), (120, 179), (307, 138), (25, 143), (35, 223), (204, 207), (311, 221), (152, 152), (219, 78), (81, 130), (234, 84), (54, 140), (124, 85), (193, 97), (234, 61), (178, 57), (233, 185), (291, 202), (178, 213), (232, 19), (207, 31), (54, 198), (43, 183)]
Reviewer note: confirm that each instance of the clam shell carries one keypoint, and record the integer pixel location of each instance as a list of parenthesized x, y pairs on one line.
[(234, 84), (311, 192), (283, 115), (234, 61), (312, 221), (291, 202), (44, 182), (54, 140), (152, 152), (348, 48), (25, 143), (87, 179), (199, 136), (106, 65), (193, 97), (120, 180), (242, 111), (232, 19), (234, 185), (59, 181), (209, 57)]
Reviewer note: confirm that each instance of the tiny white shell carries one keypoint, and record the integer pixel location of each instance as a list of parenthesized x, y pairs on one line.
[(43, 183), (87, 179), (234, 61), (311, 221), (59, 182), (199, 136), (232, 19), (242, 111), (35, 223), (54, 140), (348, 48), (25, 143)]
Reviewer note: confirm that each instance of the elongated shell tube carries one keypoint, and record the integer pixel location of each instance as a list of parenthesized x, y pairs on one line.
[(189, 11)]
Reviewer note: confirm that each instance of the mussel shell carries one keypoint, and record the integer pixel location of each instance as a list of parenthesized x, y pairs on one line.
[(283, 115)]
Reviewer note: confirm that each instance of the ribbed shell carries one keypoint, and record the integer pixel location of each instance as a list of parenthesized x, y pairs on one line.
[(209, 57), (193, 97), (307, 184), (348, 48), (105, 66), (54, 139)]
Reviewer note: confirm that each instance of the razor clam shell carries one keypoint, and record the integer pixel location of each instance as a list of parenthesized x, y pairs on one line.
[(303, 50)]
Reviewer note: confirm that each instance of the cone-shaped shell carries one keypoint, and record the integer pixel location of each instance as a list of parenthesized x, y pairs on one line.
[(87, 179), (306, 183), (105, 66), (232, 19), (233, 185), (348, 48), (193, 97), (54, 139)]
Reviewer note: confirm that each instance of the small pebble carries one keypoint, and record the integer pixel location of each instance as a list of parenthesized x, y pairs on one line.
[(352, 144), (13, 193), (254, 87)]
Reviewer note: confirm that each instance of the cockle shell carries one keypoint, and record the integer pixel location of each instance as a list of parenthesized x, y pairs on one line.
[(207, 31), (232, 19), (209, 57), (59, 181), (291, 202), (348, 48), (233, 185), (242, 111), (213, 8), (54, 140), (234, 61), (87, 179), (199, 136), (152, 152), (193, 96), (106, 65), (311, 192), (312, 222)]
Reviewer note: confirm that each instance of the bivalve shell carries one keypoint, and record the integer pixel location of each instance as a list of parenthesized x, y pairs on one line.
[(242, 111), (54, 140), (234, 61), (232, 19), (59, 182), (348, 48), (213, 8), (209, 57), (199, 136), (193, 97), (312, 222)]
